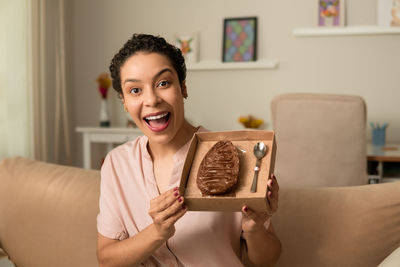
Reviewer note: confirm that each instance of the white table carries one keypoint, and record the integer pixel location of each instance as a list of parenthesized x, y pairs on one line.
[(388, 153), (107, 135)]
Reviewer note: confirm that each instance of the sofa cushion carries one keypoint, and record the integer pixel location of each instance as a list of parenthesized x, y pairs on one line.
[(338, 226), (48, 213)]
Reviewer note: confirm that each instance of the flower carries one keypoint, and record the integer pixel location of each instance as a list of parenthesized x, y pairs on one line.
[(329, 8), (185, 45), (250, 121), (104, 83)]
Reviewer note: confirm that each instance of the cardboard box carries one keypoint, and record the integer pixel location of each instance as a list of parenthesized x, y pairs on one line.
[(244, 141)]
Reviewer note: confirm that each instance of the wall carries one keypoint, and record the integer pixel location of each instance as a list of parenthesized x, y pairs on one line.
[(357, 65), (14, 94)]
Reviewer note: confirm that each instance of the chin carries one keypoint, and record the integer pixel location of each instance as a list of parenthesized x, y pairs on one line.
[(161, 139)]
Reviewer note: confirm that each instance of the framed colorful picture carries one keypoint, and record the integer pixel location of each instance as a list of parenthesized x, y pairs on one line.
[(188, 44), (331, 13), (395, 11), (240, 39), (388, 13)]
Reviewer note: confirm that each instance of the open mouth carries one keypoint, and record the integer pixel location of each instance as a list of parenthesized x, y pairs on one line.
[(158, 122)]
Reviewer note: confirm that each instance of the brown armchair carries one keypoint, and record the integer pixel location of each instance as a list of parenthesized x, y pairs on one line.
[(321, 139)]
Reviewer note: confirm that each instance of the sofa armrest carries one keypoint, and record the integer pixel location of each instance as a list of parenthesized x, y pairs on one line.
[(48, 213)]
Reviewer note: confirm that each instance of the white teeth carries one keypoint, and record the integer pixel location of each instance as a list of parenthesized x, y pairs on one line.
[(156, 117)]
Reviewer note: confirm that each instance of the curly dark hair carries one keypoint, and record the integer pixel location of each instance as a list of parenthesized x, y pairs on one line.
[(146, 43)]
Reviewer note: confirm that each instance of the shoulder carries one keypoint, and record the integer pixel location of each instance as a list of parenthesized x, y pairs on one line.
[(125, 155), (130, 149)]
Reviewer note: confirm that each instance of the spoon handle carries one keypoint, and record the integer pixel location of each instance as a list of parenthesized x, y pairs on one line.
[(255, 179)]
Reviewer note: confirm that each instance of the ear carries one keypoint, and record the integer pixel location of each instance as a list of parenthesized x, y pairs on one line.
[(184, 90), (121, 96)]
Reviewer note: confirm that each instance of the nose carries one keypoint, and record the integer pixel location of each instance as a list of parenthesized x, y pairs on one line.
[(152, 98)]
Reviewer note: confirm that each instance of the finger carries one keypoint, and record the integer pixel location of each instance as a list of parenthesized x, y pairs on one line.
[(272, 184), (170, 211), (273, 193), (165, 200), (275, 181), (271, 189), (176, 216), (250, 214), (273, 198), (273, 201), (158, 209), (165, 196)]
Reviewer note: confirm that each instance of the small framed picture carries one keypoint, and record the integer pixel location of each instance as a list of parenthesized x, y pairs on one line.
[(188, 44), (388, 13), (240, 39), (395, 13), (331, 13)]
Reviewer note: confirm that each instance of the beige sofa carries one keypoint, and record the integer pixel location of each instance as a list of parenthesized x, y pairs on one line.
[(48, 218)]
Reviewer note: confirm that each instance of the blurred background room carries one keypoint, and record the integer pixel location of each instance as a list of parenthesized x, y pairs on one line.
[(52, 52)]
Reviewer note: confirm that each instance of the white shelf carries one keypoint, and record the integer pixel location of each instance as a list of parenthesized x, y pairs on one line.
[(349, 30), (218, 65)]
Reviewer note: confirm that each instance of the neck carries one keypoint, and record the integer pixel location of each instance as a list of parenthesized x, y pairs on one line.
[(181, 138)]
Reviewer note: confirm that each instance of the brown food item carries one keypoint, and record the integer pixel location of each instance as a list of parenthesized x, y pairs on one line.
[(219, 169)]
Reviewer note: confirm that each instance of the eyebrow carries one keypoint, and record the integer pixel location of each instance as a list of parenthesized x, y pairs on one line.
[(155, 76)]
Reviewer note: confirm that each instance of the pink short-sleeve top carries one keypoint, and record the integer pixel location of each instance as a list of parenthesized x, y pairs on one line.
[(127, 186)]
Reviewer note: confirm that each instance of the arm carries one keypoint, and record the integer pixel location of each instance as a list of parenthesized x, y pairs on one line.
[(129, 252), (165, 210), (263, 246)]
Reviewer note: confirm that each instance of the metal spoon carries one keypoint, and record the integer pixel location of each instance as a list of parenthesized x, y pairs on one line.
[(260, 149)]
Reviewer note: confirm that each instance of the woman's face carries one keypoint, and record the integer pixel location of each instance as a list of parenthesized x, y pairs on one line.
[(152, 94)]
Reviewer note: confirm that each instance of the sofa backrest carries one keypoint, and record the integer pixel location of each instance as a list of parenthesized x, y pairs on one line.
[(338, 226), (48, 213)]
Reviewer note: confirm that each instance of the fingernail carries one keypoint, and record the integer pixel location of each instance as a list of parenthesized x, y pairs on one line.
[(184, 206), (245, 208), (180, 199), (176, 188), (176, 194)]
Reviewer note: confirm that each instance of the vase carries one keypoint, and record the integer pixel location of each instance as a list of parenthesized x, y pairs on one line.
[(104, 116), (378, 136)]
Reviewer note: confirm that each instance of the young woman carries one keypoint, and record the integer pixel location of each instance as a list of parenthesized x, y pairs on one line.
[(143, 219)]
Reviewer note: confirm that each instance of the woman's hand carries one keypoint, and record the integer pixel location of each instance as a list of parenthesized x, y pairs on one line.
[(165, 210), (254, 221), (263, 246)]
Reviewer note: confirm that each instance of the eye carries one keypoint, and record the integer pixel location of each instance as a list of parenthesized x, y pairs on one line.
[(163, 84), (134, 91)]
